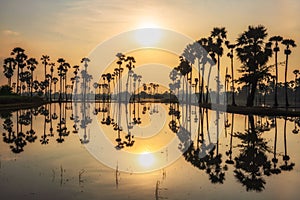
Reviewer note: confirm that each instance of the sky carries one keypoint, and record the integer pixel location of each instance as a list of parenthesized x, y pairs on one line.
[(73, 28)]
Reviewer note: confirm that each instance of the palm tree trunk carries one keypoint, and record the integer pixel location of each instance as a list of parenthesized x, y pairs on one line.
[(251, 95), (285, 82), (276, 81), (31, 83), (218, 82), (18, 73), (60, 88), (232, 76), (208, 79)]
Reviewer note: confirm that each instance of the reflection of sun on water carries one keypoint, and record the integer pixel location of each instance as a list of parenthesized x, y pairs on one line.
[(146, 159)]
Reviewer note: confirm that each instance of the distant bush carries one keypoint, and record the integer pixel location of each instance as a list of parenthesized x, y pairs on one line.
[(5, 90)]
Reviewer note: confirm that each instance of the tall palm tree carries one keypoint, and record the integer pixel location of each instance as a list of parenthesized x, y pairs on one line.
[(296, 72), (211, 60), (276, 49), (55, 80), (288, 43), (45, 61), (254, 53), (31, 62), (20, 58), (84, 73), (9, 66), (230, 55), (76, 77), (60, 69), (52, 65), (215, 41)]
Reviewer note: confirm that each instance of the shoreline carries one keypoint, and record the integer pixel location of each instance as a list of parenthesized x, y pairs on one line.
[(255, 110)]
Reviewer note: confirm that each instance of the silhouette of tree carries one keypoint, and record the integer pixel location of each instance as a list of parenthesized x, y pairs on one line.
[(62, 70), (288, 43), (20, 58), (9, 66), (52, 65), (230, 54), (204, 42), (31, 62), (55, 80), (254, 53), (296, 72), (215, 41), (276, 49)]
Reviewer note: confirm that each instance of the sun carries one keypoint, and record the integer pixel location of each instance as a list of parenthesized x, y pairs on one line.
[(146, 159), (148, 36)]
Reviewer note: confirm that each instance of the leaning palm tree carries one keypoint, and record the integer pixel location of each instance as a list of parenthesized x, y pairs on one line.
[(31, 62), (20, 58), (276, 49), (9, 66), (288, 43), (215, 41)]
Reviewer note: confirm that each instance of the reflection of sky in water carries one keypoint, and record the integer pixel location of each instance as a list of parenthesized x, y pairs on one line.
[(41, 171)]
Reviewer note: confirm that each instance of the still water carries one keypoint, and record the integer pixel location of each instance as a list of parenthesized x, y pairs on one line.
[(71, 151)]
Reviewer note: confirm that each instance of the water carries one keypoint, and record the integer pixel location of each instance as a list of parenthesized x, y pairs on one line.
[(59, 162)]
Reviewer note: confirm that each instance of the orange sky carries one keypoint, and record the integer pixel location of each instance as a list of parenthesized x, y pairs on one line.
[(73, 28)]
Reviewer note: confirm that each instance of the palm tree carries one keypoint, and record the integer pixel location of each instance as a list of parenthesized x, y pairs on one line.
[(204, 42), (20, 58), (76, 77), (60, 69), (288, 43), (9, 66), (45, 61), (296, 72), (276, 49), (84, 73), (31, 62), (254, 53), (215, 42), (230, 55), (55, 80), (52, 65)]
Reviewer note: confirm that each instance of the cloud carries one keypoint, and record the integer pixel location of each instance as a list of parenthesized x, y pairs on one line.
[(10, 33)]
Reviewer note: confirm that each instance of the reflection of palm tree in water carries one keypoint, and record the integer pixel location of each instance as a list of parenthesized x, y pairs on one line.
[(210, 163), (252, 161), (275, 170), (30, 135), (287, 166), (229, 152), (8, 126)]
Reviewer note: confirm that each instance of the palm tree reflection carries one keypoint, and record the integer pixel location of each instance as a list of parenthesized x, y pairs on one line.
[(252, 162)]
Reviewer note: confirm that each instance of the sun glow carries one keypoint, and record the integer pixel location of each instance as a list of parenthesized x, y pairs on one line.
[(148, 24), (146, 159), (148, 36)]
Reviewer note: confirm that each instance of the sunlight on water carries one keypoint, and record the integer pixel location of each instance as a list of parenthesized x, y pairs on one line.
[(146, 159)]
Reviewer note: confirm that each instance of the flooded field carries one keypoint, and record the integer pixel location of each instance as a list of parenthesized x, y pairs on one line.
[(146, 151)]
